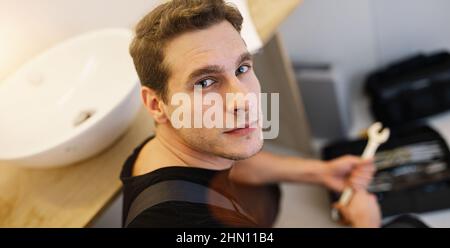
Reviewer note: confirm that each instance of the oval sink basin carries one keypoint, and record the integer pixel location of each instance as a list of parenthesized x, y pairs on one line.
[(70, 102)]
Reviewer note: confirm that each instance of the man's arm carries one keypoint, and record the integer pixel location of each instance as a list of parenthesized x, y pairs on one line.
[(266, 167)]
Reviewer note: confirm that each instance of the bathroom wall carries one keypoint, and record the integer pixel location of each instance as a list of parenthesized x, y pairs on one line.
[(408, 26)]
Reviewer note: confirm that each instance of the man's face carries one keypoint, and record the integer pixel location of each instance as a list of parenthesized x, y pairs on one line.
[(215, 59)]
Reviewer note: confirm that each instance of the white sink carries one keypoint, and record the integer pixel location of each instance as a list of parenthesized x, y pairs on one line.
[(70, 102)]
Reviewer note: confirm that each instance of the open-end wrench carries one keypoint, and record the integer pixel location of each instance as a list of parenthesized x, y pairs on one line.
[(376, 138)]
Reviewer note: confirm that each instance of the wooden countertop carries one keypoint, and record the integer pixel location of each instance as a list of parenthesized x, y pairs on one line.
[(73, 196)]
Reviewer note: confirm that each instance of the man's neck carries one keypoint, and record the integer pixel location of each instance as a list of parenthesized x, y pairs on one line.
[(176, 147)]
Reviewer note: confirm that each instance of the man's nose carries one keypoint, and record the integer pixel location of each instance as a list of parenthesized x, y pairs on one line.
[(236, 96)]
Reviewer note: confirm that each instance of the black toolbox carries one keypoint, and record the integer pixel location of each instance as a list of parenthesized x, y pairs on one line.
[(411, 89), (407, 187)]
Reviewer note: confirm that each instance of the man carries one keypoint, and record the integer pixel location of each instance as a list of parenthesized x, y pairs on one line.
[(185, 44)]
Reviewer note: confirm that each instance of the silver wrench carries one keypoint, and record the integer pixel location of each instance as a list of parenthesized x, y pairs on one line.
[(377, 136)]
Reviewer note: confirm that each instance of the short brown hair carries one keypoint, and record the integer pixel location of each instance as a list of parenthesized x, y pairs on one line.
[(166, 22)]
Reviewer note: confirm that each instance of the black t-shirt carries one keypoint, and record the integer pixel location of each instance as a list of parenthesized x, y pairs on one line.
[(260, 202)]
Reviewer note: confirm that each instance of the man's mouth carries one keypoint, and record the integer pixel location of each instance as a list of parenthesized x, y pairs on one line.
[(247, 129)]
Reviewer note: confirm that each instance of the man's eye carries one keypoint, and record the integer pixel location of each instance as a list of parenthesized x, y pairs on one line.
[(242, 69), (205, 83)]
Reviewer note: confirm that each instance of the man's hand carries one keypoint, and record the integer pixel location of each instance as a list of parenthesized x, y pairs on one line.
[(348, 171), (362, 210)]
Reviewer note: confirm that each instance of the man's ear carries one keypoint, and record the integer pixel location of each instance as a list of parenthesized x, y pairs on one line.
[(154, 104)]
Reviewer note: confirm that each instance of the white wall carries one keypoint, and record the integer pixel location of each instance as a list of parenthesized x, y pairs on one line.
[(28, 27), (407, 26)]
